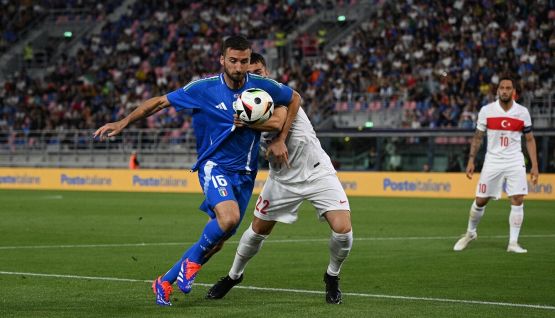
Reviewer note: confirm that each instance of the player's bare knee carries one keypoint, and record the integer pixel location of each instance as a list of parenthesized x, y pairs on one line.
[(262, 227), (228, 223), (341, 225), (339, 221), (517, 199), (228, 215), (342, 229), (480, 202)]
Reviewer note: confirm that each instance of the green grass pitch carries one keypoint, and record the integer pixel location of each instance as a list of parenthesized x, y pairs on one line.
[(94, 254)]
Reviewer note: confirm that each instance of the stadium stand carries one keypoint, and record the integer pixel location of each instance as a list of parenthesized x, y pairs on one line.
[(15, 19), (127, 62), (436, 63), (380, 64)]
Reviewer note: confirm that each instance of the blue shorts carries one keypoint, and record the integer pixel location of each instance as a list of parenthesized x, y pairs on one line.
[(220, 185)]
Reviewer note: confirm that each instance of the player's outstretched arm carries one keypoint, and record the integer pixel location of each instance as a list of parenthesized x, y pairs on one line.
[(147, 108), (474, 147), (531, 148)]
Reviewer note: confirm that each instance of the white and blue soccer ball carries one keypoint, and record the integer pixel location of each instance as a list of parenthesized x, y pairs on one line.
[(254, 106)]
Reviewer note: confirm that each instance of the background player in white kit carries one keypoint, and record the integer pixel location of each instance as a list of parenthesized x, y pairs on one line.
[(505, 121), (304, 172)]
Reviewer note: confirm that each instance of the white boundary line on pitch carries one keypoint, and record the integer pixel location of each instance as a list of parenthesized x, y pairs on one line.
[(400, 238), (300, 291)]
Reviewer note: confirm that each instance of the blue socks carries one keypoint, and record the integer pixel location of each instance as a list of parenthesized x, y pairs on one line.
[(211, 235)]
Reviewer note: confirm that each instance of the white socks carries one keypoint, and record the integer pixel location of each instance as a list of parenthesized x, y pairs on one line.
[(340, 246), (515, 222), (249, 245), (475, 216)]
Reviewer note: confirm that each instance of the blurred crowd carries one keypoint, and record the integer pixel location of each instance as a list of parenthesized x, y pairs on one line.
[(437, 62), (154, 48), (15, 17), (19, 17)]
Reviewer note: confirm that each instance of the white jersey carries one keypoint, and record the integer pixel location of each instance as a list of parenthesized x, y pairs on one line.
[(307, 158), (504, 131)]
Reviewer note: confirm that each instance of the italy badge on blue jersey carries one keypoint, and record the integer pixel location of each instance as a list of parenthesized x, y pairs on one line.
[(223, 192)]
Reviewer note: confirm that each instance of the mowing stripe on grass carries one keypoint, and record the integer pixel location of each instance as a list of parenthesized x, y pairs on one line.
[(400, 238), (299, 291)]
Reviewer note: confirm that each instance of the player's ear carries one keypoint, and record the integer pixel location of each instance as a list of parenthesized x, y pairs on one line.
[(222, 60)]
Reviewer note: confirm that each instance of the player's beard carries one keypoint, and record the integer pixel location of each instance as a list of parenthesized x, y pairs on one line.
[(505, 99), (237, 77)]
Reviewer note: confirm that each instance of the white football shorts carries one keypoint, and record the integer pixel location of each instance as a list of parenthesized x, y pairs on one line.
[(494, 178), (281, 202)]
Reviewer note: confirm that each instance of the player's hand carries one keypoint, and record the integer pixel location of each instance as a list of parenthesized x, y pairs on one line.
[(278, 149), (108, 130), (534, 174), (469, 169), (238, 122)]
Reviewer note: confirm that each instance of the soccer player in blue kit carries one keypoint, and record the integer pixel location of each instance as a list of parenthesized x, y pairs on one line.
[(227, 155)]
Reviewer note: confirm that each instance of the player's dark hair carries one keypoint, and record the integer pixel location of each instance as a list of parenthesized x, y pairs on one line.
[(507, 77), (236, 42), (257, 58), (514, 81)]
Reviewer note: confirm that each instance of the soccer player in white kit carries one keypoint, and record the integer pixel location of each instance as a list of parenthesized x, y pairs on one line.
[(302, 171), (505, 122)]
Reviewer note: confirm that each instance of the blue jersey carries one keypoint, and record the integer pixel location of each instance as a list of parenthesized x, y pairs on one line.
[(212, 103)]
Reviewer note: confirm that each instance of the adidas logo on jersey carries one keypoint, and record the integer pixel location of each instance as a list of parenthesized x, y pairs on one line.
[(221, 106)]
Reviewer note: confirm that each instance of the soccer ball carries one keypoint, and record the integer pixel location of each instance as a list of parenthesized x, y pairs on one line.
[(254, 106)]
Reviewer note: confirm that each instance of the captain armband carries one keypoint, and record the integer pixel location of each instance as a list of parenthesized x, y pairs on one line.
[(527, 129)]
